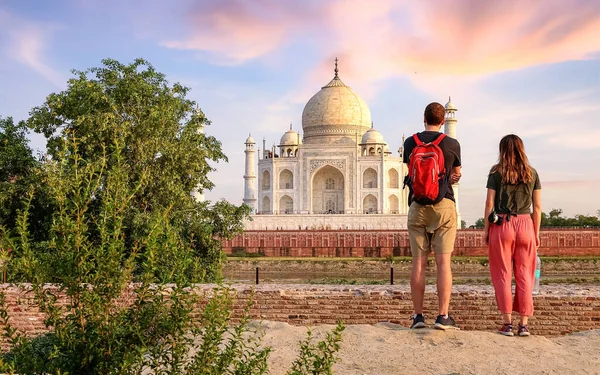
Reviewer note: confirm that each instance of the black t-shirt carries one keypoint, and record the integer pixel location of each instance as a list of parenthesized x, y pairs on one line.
[(450, 147), (516, 199)]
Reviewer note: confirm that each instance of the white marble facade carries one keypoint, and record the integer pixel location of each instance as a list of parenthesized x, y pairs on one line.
[(334, 175)]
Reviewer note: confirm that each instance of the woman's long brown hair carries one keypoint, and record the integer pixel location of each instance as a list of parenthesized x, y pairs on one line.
[(513, 164)]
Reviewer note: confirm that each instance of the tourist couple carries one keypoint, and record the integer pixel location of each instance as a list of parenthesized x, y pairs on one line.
[(511, 232)]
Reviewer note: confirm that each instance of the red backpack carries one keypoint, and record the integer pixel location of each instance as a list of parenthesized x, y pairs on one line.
[(427, 172)]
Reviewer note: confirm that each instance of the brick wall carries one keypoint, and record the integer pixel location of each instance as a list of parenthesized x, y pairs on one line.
[(558, 310), (383, 243)]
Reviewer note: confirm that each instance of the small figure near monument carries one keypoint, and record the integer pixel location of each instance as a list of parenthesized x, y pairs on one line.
[(432, 216), (512, 233)]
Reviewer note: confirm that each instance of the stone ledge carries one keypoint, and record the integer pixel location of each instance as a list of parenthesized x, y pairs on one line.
[(559, 309), (556, 290)]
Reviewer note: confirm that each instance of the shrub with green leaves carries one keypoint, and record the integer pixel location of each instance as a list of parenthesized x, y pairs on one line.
[(163, 150), (319, 358), (92, 267)]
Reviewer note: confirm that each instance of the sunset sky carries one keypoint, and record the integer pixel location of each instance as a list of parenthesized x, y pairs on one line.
[(526, 67)]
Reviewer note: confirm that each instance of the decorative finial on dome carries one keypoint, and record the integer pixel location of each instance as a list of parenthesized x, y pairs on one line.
[(372, 127), (290, 126), (336, 68)]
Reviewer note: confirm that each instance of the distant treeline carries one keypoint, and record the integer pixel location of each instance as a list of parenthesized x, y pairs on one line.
[(555, 219)]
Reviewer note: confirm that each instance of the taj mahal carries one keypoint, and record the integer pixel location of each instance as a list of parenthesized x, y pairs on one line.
[(339, 174)]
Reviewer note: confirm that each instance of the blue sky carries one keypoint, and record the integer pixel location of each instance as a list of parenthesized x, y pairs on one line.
[(526, 67)]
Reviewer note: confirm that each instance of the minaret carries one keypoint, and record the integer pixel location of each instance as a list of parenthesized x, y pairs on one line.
[(250, 176), (450, 130), (450, 122)]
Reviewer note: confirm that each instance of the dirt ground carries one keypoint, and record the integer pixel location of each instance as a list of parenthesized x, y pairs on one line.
[(392, 349)]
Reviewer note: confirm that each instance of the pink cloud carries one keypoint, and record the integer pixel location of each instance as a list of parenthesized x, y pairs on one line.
[(27, 42), (384, 38), (236, 31)]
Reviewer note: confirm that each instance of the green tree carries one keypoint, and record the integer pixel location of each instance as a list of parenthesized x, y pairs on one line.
[(19, 170), (480, 223), (162, 133), (94, 333), (555, 219)]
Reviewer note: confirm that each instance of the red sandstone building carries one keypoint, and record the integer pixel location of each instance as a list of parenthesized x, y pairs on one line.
[(383, 243)]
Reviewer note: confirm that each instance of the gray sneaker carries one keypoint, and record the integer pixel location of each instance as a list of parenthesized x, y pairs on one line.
[(418, 321), (445, 322)]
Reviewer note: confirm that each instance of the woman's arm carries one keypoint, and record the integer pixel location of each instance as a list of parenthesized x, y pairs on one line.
[(489, 207), (537, 214)]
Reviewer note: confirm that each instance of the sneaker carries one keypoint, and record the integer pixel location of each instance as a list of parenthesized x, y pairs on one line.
[(523, 331), (418, 321), (506, 330), (445, 322)]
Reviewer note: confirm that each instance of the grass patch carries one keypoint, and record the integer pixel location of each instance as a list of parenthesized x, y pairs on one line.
[(455, 281), (342, 281), (241, 256), (594, 259), (570, 280)]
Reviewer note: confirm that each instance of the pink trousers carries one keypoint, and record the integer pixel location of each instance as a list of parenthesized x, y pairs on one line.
[(512, 248)]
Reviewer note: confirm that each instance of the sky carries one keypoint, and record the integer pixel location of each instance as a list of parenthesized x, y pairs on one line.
[(528, 67)]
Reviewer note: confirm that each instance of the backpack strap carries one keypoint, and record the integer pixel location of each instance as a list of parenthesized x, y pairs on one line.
[(417, 140), (436, 142), (439, 139)]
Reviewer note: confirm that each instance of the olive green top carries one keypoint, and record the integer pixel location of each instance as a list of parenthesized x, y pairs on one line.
[(514, 199)]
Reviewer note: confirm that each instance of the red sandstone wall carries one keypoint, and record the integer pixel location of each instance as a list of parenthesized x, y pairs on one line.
[(555, 313), (383, 243)]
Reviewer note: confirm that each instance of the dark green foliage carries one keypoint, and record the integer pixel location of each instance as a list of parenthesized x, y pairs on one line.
[(319, 358), (554, 219), (88, 261), (19, 170), (479, 223), (162, 150)]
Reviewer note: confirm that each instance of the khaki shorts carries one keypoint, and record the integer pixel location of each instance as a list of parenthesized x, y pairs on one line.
[(432, 227)]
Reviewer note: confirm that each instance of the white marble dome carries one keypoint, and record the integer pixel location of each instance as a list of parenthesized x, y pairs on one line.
[(250, 140), (450, 105), (372, 136), (335, 114), (290, 138)]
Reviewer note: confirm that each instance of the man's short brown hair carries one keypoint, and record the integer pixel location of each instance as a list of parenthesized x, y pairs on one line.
[(434, 113)]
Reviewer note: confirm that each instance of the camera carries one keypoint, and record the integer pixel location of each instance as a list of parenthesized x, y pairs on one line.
[(495, 219)]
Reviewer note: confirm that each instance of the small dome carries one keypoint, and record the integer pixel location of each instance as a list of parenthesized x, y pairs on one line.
[(372, 136), (449, 105), (250, 140), (290, 138)]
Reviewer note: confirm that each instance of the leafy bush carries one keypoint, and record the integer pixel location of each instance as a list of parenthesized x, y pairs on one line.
[(92, 267), (319, 358)]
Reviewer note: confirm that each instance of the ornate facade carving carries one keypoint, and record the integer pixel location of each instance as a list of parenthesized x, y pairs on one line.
[(337, 163)]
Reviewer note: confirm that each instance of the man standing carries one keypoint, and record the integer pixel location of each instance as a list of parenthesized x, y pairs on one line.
[(432, 223)]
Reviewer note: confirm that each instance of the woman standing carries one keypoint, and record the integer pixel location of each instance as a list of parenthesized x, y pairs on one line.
[(511, 232)]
